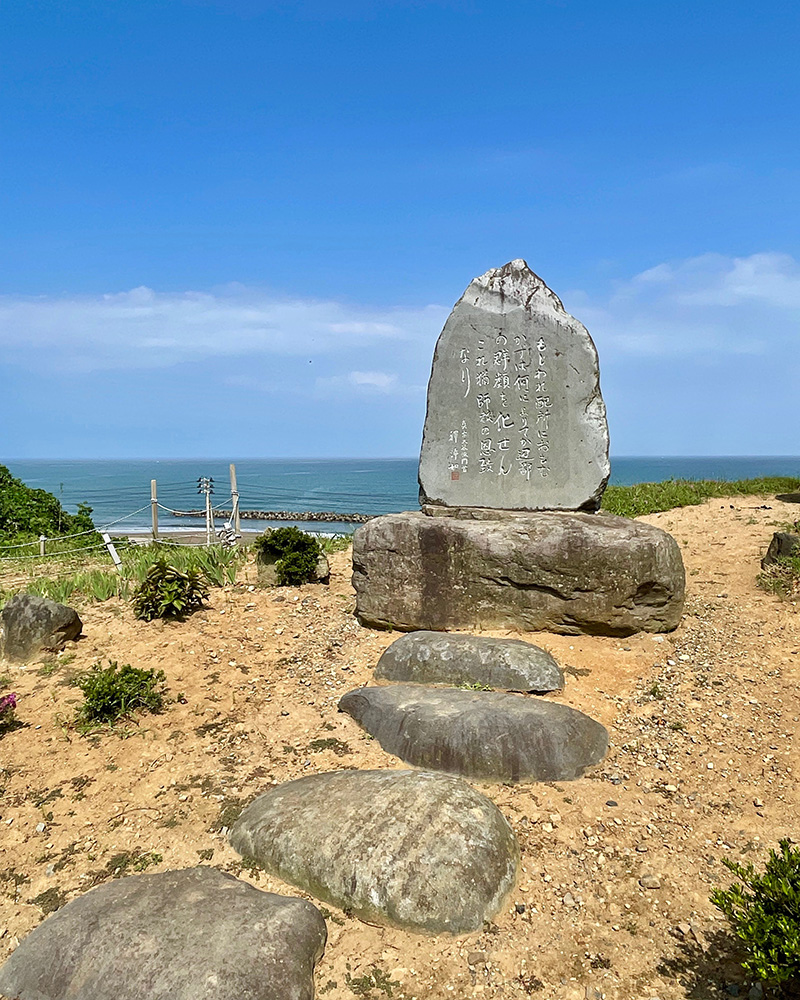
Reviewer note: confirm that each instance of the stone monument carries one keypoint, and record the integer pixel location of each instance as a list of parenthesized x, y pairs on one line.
[(513, 466), (515, 417)]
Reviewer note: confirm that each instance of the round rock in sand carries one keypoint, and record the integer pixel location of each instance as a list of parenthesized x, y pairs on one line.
[(450, 658), (479, 734), (196, 934), (421, 851)]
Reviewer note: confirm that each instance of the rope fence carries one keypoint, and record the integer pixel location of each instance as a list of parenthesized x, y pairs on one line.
[(227, 509)]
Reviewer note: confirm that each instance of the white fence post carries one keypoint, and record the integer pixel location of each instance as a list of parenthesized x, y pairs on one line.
[(112, 551)]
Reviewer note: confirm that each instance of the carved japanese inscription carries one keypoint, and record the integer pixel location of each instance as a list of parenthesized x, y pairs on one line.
[(515, 417)]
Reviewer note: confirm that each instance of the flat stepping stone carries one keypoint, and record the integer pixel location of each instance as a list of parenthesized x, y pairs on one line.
[(479, 734), (420, 851), (448, 658), (195, 934)]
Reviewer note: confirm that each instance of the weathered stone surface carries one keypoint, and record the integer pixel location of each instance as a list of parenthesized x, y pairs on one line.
[(196, 934), (559, 572), (32, 625), (515, 418), (481, 735), (783, 543), (421, 851), (441, 658)]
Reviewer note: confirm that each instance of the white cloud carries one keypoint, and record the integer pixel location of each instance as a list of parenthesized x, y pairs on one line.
[(373, 382), (145, 329), (705, 305), (376, 380)]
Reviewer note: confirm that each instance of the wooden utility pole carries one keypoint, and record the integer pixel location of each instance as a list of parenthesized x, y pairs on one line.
[(235, 501), (154, 508)]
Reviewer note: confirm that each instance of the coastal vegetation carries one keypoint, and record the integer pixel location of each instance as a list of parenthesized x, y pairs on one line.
[(764, 909), (87, 575), (114, 692), (294, 553), (651, 498), (168, 593), (27, 513), (782, 577)]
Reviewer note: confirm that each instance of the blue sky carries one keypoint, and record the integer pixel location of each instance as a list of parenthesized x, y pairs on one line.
[(236, 228)]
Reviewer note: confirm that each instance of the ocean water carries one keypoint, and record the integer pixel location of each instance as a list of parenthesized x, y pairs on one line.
[(119, 490)]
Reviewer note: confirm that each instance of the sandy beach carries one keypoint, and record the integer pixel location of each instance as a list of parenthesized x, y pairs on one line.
[(617, 867)]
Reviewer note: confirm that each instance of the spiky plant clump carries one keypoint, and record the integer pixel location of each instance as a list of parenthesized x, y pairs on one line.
[(166, 592)]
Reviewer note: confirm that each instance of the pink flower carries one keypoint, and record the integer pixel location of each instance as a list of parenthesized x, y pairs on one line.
[(8, 702)]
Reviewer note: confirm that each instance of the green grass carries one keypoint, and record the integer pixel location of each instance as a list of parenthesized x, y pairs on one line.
[(218, 564), (651, 498), (90, 576), (334, 543)]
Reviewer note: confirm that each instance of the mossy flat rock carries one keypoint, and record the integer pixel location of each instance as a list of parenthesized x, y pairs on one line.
[(479, 734), (420, 851), (195, 934), (449, 658)]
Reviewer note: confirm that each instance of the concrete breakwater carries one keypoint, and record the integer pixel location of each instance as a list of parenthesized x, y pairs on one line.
[(283, 515)]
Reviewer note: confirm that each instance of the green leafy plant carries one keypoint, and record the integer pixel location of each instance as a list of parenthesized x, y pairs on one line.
[(113, 692), (219, 565), (59, 590), (294, 553), (166, 592), (765, 912)]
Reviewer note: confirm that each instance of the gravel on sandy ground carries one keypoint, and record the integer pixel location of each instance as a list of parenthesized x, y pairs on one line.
[(612, 899)]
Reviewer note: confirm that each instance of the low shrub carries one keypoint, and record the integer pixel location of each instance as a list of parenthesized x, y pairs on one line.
[(113, 692), (294, 553), (765, 912), (166, 592), (58, 590)]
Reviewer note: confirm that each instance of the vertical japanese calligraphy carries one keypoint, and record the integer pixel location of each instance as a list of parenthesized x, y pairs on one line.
[(496, 376)]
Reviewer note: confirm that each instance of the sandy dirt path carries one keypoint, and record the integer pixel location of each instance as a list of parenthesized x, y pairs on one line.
[(702, 766)]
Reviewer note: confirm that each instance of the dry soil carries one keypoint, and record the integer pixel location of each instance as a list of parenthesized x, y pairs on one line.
[(617, 867)]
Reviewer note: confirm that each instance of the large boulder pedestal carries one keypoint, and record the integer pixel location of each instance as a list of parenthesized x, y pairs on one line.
[(555, 571)]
